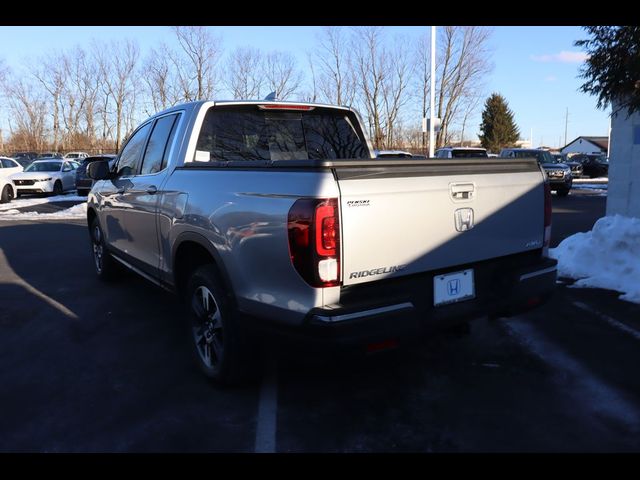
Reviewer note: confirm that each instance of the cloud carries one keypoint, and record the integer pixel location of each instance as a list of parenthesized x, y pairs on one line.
[(550, 78), (563, 57)]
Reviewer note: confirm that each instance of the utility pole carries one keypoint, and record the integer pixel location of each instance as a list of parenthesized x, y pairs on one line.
[(566, 122), (432, 104)]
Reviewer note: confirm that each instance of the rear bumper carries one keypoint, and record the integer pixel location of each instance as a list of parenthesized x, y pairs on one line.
[(404, 309)]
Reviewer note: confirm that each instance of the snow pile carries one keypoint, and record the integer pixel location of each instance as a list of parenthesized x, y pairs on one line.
[(32, 201), (77, 211), (606, 257)]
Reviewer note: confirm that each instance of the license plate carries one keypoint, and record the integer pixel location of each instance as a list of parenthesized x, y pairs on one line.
[(453, 287)]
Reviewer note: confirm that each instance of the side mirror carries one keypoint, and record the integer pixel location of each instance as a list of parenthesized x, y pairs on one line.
[(98, 170)]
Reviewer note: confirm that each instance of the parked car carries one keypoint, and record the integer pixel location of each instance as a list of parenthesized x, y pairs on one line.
[(77, 156), (7, 190), (576, 167), (25, 158), (84, 183), (276, 216), (558, 174), (393, 153), (49, 155), (461, 152), (593, 166), (9, 166), (46, 176)]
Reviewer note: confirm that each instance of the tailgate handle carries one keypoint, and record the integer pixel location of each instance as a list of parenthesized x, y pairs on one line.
[(462, 191)]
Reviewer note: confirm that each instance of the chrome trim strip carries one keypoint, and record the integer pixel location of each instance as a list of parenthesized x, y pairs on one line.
[(364, 313), (539, 272)]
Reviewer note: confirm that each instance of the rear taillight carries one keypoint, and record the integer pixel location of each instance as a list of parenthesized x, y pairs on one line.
[(314, 240), (547, 218)]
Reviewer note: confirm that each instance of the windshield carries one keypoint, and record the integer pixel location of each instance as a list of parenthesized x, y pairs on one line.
[(241, 133), (44, 167), (541, 155), (469, 153)]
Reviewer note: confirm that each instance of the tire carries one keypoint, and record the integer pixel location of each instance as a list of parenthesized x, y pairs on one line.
[(563, 192), (219, 345), (7, 194), (57, 188), (107, 269)]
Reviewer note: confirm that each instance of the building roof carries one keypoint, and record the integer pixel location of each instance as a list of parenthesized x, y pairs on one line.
[(601, 142)]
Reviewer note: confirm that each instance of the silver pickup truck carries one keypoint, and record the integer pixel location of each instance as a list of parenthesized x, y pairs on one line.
[(272, 216)]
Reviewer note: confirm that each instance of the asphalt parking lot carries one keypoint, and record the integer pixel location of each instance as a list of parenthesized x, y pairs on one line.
[(92, 367)]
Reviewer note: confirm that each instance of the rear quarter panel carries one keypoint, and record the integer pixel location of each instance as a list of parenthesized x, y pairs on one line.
[(243, 214)]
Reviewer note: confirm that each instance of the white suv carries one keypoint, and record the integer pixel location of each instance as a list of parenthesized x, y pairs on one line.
[(461, 152)]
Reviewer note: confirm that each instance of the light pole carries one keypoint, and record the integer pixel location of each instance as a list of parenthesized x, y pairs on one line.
[(432, 104)]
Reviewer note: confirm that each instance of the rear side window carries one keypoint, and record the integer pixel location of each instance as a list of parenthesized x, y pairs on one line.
[(6, 163), (247, 133), (158, 146), (132, 152), (466, 153)]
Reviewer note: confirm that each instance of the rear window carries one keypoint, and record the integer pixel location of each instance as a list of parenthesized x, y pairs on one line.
[(468, 153), (246, 133)]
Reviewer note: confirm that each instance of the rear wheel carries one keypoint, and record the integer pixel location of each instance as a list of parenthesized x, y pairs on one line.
[(218, 341), (7, 194), (106, 267)]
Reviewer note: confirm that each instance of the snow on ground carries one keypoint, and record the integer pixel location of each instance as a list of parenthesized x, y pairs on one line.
[(9, 211), (31, 201), (591, 180), (606, 257)]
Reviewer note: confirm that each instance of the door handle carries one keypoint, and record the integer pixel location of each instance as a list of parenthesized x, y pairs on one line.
[(152, 189)]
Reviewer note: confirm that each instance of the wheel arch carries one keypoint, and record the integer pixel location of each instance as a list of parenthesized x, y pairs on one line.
[(190, 251)]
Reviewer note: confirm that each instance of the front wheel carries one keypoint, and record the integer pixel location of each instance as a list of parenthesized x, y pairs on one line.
[(218, 341), (57, 188), (7, 194)]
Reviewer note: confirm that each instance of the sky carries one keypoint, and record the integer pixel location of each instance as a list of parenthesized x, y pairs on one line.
[(535, 68)]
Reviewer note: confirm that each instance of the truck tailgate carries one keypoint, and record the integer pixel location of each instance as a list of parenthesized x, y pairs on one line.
[(405, 219)]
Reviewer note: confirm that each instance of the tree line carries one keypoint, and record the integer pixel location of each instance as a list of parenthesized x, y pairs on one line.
[(91, 97)]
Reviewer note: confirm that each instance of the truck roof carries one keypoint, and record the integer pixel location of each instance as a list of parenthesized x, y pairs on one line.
[(194, 105)]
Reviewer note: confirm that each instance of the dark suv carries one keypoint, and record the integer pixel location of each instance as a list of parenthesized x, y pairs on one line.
[(593, 165), (84, 183), (25, 158), (558, 174)]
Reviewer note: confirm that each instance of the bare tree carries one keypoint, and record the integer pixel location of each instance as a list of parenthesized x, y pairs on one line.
[(117, 64), (196, 62), (29, 111), (51, 73), (158, 77), (281, 74), (370, 63), (243, 73), (394, 88), (335, 74), (463, 66)]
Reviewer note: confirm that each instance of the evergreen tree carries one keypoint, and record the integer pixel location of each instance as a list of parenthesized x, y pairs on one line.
[(498, 130), (612, 68)]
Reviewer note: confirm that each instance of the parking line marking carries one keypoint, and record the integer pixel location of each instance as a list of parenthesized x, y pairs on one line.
[(594, 393), (267, 410), (611, 321)]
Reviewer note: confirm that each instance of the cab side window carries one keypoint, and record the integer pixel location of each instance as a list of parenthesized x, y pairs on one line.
[(155, 156), (131, 154)]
